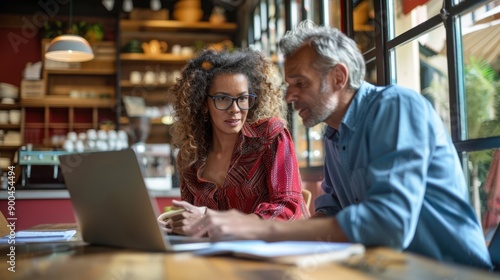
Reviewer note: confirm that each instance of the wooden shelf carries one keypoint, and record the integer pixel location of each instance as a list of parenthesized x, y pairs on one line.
[(158, 98), (9, 106), (83, 125), (153, 121), (128, 84), (56, 101), (58, 125), (9, 126), (82, 71), (174, 25), (9, 147), (166, 57), (34, 125)]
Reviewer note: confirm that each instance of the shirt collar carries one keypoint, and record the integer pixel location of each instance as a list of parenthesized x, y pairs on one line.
[(251, 130), (353, 113)]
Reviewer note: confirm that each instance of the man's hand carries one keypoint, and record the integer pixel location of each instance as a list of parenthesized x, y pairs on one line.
[(233, 224), (230, 224), (318, 214)]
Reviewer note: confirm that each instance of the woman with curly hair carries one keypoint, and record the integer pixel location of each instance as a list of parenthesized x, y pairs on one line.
[(235, 151)]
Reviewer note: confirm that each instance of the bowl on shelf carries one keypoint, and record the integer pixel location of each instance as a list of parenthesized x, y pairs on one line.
[(188, 14), (4, 162), (188, 4), (8, 91)]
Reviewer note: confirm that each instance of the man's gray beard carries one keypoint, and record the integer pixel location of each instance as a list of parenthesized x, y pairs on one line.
[(317, 116)]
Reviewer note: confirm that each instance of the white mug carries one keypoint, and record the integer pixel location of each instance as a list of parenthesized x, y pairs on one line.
[(4, 117), (15, 116), (79, 146), (91, 134), (135, 77), (102, 135), (176, 49), (162, 77), (150, 77), (72, 136), (68, 145), (187, 51)]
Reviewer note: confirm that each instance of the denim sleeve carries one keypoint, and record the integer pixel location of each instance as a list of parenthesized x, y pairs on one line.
[(398, 144)]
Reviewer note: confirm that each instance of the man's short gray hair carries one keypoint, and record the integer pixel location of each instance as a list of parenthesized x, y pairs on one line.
[(332, 46)]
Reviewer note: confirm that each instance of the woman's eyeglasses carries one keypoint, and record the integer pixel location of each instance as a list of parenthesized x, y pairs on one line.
[(224, 102)]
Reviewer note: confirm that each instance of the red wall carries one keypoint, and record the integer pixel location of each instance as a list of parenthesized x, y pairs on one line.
[(32, 212), (18, 46)]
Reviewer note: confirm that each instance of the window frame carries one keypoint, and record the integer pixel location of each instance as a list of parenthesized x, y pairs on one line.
[(383, 54)]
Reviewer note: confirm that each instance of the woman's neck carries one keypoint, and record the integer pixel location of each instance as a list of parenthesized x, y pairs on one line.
[(224, 143)]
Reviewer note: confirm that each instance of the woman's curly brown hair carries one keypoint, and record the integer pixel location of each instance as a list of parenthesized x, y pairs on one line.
[(192, 130)]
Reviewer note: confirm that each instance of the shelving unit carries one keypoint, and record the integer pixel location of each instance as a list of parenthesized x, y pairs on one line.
[(8, 148), (174, 25), (172, 32), (164, 57), (50, 117), (77, 97)]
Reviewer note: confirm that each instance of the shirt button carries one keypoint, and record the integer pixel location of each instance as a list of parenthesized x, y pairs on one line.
[(343, 148), (357, 199)]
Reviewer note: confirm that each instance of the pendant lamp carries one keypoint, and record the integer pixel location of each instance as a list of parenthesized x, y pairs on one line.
[(69, 47)]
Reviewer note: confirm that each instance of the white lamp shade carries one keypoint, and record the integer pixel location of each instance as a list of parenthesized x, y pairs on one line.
[(69, 48)]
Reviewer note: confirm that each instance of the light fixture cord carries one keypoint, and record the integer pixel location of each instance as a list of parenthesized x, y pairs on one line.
[(70, 17)]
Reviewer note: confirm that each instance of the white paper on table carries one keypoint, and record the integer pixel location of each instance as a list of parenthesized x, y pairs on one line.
[(30, 236)]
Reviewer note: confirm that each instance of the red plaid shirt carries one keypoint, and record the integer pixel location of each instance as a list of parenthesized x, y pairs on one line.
[(263, 176)]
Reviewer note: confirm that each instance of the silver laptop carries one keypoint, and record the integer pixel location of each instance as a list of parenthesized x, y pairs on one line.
[(112, 204)]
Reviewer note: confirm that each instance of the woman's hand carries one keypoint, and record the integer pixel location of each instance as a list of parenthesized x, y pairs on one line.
[(188, 215), (165, 220)]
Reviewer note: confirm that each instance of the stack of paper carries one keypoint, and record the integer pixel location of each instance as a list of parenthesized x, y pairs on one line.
[(300, 253), (27, 236)]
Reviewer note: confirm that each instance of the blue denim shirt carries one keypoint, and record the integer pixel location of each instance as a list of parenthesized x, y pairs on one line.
[(393, 178)]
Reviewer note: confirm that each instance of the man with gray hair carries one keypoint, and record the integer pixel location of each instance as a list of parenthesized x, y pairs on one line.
[(392, 175)]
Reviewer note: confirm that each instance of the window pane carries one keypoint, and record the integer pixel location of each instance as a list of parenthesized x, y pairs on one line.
[(480, 45), (313, 10), (371, 72), (422, 66), (334, 13), (410, 13), (280, 25), (314, 154), (295, 12), (363, 15), (484, 190), (363, 24)]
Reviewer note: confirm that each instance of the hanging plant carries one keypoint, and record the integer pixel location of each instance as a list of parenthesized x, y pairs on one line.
[(93, 32)]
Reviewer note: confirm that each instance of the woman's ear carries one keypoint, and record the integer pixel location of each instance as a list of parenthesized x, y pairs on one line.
[(204, 109)]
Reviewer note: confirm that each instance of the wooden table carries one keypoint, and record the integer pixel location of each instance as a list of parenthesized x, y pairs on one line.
[(80, 261)]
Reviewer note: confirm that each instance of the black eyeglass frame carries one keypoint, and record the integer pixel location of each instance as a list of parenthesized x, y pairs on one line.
[(213, 97)]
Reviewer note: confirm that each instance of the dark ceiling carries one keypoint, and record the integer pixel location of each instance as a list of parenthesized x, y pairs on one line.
[(82, 7)]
